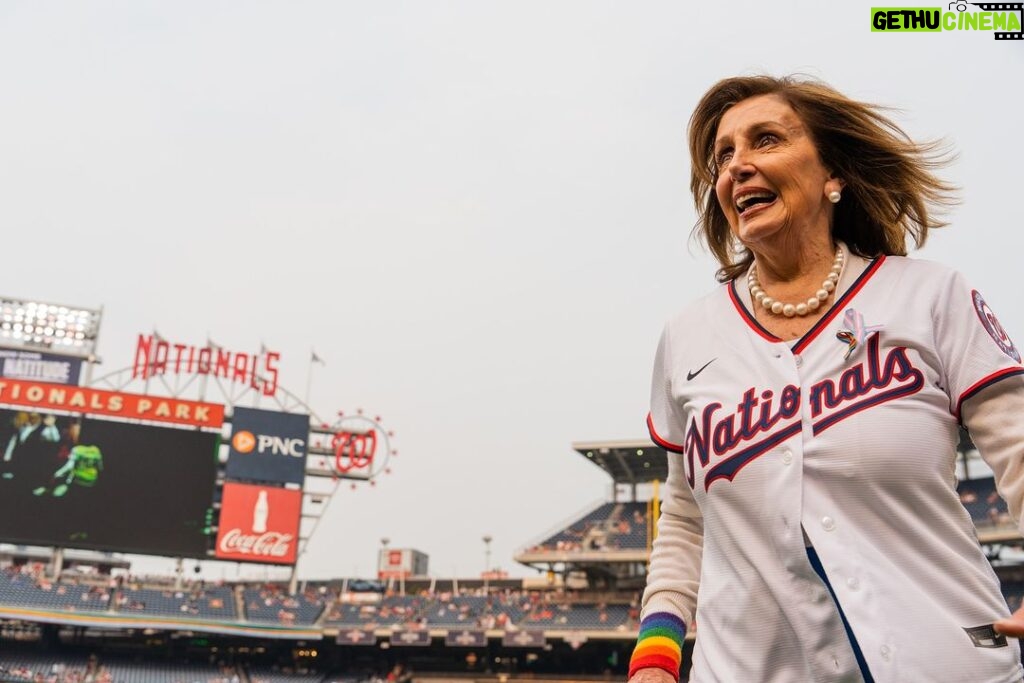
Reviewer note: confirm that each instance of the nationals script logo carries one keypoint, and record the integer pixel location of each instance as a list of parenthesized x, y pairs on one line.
[(872, 382)]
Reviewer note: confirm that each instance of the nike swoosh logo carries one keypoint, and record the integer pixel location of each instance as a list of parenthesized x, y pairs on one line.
[(691, 375)]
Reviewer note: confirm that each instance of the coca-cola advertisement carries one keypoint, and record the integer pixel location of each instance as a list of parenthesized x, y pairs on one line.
[(259, 524)]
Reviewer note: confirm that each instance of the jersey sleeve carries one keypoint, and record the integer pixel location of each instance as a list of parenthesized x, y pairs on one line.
[(974, 350), (992, 416), (665, 421), (670, 597)]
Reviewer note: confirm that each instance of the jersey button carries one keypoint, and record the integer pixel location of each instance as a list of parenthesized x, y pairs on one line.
[(884, 650), (799, 360), (787, 456), (853, 583), (827, 523)]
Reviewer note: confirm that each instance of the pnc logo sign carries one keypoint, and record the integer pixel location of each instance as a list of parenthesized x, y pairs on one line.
[(245, 442), (268, 446)]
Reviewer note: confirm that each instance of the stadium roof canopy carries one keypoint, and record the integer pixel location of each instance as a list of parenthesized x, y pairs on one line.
[(636, 461)]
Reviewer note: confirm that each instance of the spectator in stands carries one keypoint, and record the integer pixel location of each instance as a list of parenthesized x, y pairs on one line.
[(399, 674), (814, 399)]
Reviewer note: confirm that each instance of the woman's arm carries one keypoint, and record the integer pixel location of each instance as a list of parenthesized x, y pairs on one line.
[(994, 417)]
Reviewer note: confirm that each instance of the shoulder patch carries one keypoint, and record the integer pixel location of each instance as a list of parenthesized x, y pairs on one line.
[(992, 326)]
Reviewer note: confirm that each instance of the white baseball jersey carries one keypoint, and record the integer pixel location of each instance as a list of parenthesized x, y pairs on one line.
[(845, 441)]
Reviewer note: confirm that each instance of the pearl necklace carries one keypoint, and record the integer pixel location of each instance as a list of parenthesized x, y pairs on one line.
[(803, 308)]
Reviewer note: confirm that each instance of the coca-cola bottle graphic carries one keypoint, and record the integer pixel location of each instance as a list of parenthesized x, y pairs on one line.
[(260, 513)]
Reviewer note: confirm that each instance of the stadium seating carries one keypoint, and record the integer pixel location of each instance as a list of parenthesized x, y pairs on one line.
[(627, 527), (473, 611), (525, 610), (983, 503), (272, 604), (568, 616), (11, 662), (271, 675), (457, 612), (1013, 591), (598, 617), (574, 536), (393, 610), (511, 606), (25, 589), (610, 526), (159, 672), (217, 603), (16, 666)]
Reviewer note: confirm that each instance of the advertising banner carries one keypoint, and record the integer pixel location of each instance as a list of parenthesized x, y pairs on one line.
[(48, 397), (268, 446), (39, 366), (465, 639), (106, 485), (523, 639), (259, 524), (356, 636), (410, 638)]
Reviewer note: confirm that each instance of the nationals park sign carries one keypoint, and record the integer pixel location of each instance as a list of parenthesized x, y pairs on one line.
[(45, 396)]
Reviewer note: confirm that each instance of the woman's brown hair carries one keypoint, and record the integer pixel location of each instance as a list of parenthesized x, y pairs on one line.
[(889, 180)]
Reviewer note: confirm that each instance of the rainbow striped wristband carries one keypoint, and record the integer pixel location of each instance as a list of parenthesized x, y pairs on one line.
[(660, 644)]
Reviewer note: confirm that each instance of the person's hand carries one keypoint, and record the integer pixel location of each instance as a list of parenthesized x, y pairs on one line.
[(1012, 626), (652, 675)]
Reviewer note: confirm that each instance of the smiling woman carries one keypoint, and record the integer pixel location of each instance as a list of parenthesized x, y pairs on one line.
[(889, 176), (771, 185), (813, 502)]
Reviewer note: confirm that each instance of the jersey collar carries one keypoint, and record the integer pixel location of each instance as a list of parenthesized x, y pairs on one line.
[(742, 303)]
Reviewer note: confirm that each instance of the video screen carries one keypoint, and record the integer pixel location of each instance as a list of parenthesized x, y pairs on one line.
[(84, 483)]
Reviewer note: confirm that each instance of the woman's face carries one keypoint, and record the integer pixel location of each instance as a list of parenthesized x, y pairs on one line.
[(771, 182)]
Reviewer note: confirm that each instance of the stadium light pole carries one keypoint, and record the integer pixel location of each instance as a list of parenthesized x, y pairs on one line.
[(65, 330), (487, 562)]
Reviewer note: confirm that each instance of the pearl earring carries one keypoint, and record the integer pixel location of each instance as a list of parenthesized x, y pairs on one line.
[(834, 196)]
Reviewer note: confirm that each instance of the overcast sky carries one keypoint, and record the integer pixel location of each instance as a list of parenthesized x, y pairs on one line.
[(476, 212)]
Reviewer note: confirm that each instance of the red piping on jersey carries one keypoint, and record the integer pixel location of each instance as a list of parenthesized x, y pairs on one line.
[(746, 315), (667, 445), (838, 306), (985, 382)]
